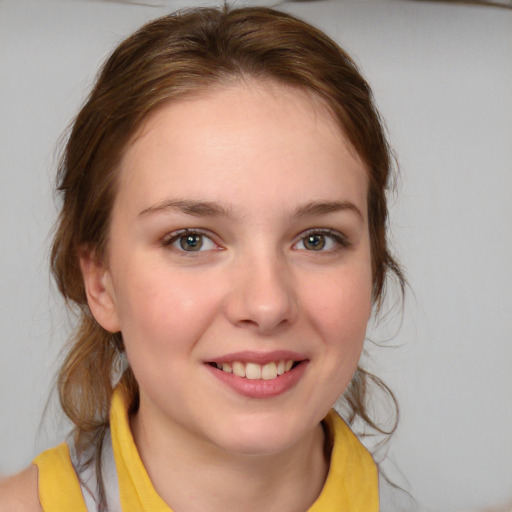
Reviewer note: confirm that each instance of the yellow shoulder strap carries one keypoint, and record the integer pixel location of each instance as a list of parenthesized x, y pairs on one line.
[(59, 489)]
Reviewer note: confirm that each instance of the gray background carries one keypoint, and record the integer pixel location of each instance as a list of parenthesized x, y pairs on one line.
[(442, 76)]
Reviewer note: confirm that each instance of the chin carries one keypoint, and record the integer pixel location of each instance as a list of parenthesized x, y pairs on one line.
[(257, 447), (252, 437)]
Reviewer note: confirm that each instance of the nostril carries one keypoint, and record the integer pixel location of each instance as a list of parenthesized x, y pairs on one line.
[(262, 300), (248, 322)]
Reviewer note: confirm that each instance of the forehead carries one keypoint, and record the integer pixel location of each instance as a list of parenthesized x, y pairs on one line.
[(247, 136)]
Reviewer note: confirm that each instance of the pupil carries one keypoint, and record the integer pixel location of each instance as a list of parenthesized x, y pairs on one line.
[(315, 242), (191, 242)]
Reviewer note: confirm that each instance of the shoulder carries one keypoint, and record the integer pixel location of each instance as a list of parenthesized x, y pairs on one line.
[(19, 493)]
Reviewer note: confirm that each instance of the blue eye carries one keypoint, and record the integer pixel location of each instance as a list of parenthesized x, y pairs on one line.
[(190, 241), (321, 241)]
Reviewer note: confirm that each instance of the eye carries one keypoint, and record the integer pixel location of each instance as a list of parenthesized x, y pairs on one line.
[(321, 241), (189, 241)]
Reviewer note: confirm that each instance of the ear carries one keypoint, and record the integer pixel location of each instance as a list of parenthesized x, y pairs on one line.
[(99, 291)]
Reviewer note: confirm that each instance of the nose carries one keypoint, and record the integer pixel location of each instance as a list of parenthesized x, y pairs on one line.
[(262, 295)]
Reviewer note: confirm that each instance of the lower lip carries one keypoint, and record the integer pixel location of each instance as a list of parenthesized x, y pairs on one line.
[(258, 388)]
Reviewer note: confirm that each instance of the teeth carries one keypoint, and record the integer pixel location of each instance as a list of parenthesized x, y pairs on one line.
[(239, 369), (254, 371), (269, 371)]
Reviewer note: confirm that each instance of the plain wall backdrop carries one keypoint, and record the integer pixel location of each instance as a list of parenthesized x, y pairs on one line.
[(442, 77)]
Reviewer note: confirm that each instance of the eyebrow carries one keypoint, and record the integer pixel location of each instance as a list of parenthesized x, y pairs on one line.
[(212, 209), (325, 207), (190, 207)]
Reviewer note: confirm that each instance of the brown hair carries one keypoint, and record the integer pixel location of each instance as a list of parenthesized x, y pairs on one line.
[(167, 59)]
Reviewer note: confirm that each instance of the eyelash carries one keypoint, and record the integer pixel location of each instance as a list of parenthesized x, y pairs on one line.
[(174, 237), (336, 237)]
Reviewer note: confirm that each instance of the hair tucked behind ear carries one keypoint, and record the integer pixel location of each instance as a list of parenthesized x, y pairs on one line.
[(168, 59)]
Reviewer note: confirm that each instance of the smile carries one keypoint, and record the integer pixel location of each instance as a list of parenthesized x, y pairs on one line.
[(255, 371), (259, 375)]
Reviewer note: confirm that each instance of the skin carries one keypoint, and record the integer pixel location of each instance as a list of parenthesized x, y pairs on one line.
[(18, 493), (262, 154), (261, 151), (271, 164)]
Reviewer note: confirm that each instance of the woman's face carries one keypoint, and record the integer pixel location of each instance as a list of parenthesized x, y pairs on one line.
[(239, 247)]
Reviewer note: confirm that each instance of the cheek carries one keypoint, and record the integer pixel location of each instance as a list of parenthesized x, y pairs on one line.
[(340, 311), (341, 305), (164, 310)]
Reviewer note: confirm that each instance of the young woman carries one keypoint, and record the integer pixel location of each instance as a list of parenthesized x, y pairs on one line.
[(223, 236)]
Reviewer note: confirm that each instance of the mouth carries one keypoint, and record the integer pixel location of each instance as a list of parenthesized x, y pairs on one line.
[(259, 375), (255, 371)]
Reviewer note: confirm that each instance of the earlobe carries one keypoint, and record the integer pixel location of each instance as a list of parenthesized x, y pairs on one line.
[(99, 291)]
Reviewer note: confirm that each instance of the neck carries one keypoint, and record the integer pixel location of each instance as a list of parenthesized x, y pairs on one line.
[(180, 466)]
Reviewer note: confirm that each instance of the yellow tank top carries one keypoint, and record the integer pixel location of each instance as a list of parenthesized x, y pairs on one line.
[(351, 484)]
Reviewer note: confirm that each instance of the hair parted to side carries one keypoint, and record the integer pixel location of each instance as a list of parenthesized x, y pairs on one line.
[(168, 59)]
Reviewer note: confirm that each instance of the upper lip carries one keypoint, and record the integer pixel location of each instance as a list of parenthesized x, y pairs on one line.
[(248, 356)]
